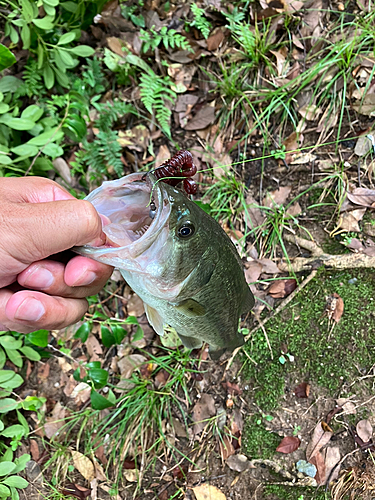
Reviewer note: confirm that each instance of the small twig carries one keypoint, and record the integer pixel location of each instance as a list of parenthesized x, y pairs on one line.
[(261, 324)]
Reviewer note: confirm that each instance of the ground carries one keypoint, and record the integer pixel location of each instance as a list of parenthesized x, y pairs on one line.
[(275, 102)]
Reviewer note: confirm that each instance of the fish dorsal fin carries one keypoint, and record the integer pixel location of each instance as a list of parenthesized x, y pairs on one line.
[(190, 308), (155, 320)]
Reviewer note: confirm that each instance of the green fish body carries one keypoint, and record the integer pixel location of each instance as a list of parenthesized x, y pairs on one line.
[(176, 257)]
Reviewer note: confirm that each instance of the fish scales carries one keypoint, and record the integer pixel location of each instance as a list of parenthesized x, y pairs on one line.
[(177, 258)]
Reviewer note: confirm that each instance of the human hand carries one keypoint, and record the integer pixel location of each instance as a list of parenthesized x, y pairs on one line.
[(39, 219)]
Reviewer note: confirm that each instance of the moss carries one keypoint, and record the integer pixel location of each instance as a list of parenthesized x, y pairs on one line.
[(279, 492), (333, 246), (326, 358), (257, 442)]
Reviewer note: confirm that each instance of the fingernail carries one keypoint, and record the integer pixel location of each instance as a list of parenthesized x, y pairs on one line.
[(39, 278), (85, 279), (30, 310)]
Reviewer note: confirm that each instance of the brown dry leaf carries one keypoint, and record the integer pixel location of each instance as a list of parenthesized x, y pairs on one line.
[(349, 220), (365, 106), (232, 389), (253, 215), (69, 385), (202, 411), (55, 421), (43, 372), (334, 307), (116, 45), (289, 444), (294, 209), (331, 458), (204, 117), (297, 42), (302, 390), (362, 196), (81, 393), (363, 146), (34, 449), (310, 112), (136, 139), (319, 439), (84, 465), (64, 365), (131, 475), (184, 102), (347, 406), (302, 158), (319, 462), (214, 40), (281, 56), (135, 306), (238, 463), (100, 454), (161, 378), (75, 490), (226, 447), (364, 430), (207, 491), (253, 271), (182, 76), (162, 156), (268, 266), (292, 144), (282, 288), (94, 348), (277, 197), (127, 365)]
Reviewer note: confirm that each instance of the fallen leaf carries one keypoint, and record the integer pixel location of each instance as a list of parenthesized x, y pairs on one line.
[(363, 146), (277, 197), (81, 393), (349, 220), (232, 389), (161, 378), (93, 348), (319, 462), (135, 306), (331, 457), (362, 196), (289, 444), (365, 106), (183, 102), (294, 209), (76, 490), (226, 447), (116, 45), (202, 411), (253, 271), (182, 74), (334, 307), (302, 158), (55, 421), (302, 390), (207, 491), (100, 454), (214, 40), (310, 112), (297, 42), (319, 439), (127, 365), (204, 117), (162, 156), (238, 463), (34, 449), (253, 215), (84, 465), (281, 57), (347, 406), (364, 430), (136, 139), (268, 266), (282, 288)]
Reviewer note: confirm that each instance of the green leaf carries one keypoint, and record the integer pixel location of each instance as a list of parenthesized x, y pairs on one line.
[(70, 7), (39, 338), (27, 10), (1, 425), (10, 83), (53, 150), (6, 375), (6, 57), (52, 3), (137, 61), (83, 50), (108, 339), (17, 123), (93, 364), (61, 77), (32, 112), (5, 160), (6, 468), (22, 420), (14, 382), (98, 376), (21, 462), (2, 358), (25, 36), (15, 357), (4, 491), (131, 320), (48, 77), (42, 139), (83, 331), (44, 24), (99, 402), (4, 108), (119, 333), (67, 59), (7, 456), (30, 353), (50, 11), (15, 495), (139, 334), (25, 150), (9, 342), (42, 163), (13, 431), (66, 38), (16, 482), (14, 37)]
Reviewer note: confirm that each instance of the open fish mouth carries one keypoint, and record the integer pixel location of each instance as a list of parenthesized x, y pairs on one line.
[(135, 212)]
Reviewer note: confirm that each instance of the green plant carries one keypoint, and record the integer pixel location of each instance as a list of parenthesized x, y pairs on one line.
[(7, 58), (128, 12), (155, 92), (9, 467), (168, 37), (200, 21)]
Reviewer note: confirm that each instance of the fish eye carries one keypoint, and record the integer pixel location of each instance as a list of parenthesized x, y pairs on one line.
[(186, 230)]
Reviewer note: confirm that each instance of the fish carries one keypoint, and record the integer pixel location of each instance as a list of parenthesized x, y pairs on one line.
[(176, 258)]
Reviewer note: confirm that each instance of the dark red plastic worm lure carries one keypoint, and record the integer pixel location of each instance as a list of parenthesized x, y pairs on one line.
[(178, 169)]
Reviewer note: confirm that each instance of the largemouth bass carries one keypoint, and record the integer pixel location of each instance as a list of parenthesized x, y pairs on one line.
[(176, 257)]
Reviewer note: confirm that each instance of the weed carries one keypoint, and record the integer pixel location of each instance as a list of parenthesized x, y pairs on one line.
[(200, 21), (168, 37)]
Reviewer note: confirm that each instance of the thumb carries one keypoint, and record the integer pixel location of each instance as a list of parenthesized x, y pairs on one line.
[(43, 229)]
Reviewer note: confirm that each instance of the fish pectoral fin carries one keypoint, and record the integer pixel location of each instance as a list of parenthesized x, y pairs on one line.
[(155, 320), (190, 308), (190, 342)]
